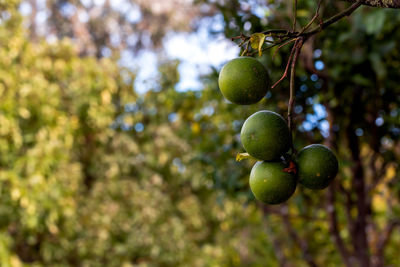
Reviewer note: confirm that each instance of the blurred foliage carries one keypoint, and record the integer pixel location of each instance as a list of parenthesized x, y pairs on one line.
[(81, 187), (93, 174)]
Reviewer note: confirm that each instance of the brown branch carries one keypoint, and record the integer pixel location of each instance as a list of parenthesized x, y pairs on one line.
[(359, 233), (383, 241), (313, 19), (297, 46), (333, 19), (334, 228), (322, 26), (344, 252), (274, 32), (379, 3), (294, 15), (377, 176), (330, 141), (285, 35), (279, 47), (287, 67)]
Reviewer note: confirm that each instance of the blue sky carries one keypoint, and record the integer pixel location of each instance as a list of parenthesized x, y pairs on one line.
[(197, 52)]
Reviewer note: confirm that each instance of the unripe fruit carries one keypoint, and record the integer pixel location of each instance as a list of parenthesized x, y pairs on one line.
[(265, 135), (243, 81), (270, 184), (317, 166)]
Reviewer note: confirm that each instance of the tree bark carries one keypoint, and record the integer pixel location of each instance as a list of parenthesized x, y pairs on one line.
[(379, 3), (360, 241)]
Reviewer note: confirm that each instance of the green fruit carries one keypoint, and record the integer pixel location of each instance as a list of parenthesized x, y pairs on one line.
[(317, 166), (265, 135), (243, 81), (270, 184)]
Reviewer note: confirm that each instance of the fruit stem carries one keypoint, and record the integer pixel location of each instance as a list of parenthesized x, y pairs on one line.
[(294, 15), (297, 48)]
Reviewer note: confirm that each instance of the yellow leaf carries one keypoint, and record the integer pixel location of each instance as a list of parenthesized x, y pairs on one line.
[(256, 41), (196, 128), (303, 13), (241, 156)]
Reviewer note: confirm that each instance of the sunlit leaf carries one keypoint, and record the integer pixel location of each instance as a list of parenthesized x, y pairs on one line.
[(256, 41), (242, 156)]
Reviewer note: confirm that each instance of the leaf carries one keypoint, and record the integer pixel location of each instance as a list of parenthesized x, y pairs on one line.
[(303, 13), (242, 156), (375, 21), (256, 41)]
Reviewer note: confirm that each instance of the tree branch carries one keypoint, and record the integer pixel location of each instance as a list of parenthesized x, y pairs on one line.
[(383, 241), (334, 229), (379, 3), (334, 19), (345, 254), (297, 48), (359, 233)]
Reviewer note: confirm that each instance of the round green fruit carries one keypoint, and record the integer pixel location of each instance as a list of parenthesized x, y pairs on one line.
[(270, 184), (265, 135), (243, 81), (317, 166)]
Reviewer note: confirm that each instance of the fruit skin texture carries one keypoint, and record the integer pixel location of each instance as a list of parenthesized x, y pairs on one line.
[(270, 184), (244, 81), (265, 135), (317, 166)]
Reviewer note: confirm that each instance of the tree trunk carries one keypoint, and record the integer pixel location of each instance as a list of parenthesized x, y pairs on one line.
[(359, 233)]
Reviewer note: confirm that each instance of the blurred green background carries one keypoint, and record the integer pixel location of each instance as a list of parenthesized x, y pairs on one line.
[(95, 172)]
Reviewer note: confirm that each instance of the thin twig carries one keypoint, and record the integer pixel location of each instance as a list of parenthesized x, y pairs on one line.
[(313, 19), (279, 47), (287, 67), (246, 50), (298, 45), (333, 19), (294, 14), (278, 31)]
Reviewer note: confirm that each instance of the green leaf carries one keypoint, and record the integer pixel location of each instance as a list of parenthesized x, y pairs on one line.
[(256, 41), (375, 21)]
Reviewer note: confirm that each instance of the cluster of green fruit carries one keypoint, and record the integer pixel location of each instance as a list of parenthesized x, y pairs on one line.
[(266, 137)]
